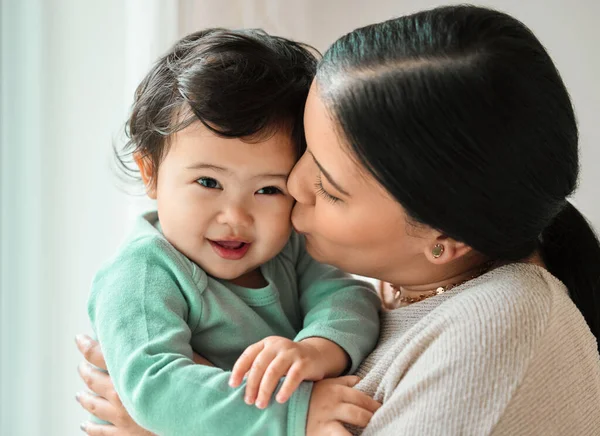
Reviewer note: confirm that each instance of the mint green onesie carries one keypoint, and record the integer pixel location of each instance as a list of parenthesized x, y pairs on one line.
[(151, 307)]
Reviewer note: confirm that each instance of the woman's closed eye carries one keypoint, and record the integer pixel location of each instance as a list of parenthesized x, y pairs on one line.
[(269, 190), (209, 183), (323, 193)]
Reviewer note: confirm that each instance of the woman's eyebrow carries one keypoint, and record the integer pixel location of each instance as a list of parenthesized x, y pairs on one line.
[(328, 176)]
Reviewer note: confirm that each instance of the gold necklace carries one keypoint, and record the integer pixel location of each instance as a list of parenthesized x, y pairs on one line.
[(439, 290)]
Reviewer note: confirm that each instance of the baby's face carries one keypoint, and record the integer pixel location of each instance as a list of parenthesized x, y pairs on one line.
[(224, 202)]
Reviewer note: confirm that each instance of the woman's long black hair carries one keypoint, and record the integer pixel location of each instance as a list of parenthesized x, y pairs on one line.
[(461, 115)]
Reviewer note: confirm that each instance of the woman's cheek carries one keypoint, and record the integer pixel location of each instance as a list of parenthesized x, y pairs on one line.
[(328, 221)]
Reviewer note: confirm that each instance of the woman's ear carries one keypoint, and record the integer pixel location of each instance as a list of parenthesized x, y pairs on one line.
[(147, 173), (444, 249)]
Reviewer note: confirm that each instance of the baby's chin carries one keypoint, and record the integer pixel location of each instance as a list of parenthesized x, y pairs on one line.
[(221, 272), (229, 273)]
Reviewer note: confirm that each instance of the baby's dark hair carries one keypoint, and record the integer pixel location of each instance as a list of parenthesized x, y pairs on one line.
[(238, 83)]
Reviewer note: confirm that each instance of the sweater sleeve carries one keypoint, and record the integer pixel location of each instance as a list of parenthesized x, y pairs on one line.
[(140, 316), (337, 307)]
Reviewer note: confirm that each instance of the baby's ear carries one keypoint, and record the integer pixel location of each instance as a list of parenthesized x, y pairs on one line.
[(147, 171)]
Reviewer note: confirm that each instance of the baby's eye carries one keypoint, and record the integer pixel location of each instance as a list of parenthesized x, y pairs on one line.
[(209, 183), (269, 190)]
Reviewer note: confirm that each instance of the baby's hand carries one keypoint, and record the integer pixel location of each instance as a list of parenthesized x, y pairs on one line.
[(267, 361)]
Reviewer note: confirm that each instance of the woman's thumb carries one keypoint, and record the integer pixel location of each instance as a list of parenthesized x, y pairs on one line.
[(349, 380)]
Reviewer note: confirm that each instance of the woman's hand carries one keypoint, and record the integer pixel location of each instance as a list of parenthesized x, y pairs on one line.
[(106, 404), (334, 402)]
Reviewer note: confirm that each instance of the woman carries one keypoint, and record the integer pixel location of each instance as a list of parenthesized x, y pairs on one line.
[(443, 146)]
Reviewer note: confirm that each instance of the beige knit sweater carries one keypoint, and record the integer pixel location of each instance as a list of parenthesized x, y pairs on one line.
[(505, 354)]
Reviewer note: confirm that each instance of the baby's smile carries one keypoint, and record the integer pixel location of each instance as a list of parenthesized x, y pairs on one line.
[(230, 249)]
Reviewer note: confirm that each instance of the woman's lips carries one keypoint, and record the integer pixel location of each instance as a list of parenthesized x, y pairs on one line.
[(230, 250)]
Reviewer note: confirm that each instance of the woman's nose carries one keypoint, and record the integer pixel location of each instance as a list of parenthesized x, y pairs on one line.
[(299, 181)]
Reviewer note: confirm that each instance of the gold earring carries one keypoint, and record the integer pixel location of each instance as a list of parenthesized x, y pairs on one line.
[(438, 250)]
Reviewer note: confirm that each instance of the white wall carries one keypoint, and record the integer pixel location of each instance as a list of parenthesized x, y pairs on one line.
[(68, 69)]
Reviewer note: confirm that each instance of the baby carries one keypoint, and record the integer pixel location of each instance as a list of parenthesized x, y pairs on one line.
[(215, 129)]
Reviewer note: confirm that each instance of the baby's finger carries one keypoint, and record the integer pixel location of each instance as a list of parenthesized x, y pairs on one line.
[(293, 379), (260, 365), (277, 369), (244, 363)]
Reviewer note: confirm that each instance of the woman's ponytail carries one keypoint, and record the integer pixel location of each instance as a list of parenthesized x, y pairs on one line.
[(571, 251)]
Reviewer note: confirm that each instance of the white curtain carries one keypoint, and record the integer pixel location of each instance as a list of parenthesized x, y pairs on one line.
[(68, 71)]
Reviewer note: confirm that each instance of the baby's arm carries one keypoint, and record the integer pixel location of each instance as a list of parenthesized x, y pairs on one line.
[(141, 317), (341, 326), (337, 307)]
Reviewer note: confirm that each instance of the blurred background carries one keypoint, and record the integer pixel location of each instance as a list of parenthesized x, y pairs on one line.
[(68, 71)]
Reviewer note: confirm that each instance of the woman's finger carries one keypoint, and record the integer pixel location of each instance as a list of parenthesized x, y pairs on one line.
[(277, 369), (244, 363), (97, 406), (360, 399), (199, 360), (353, 415), (292, 380), (334, 429), (347, 380), (98, 382), (255, 376), (93, 429), (91, 350)]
